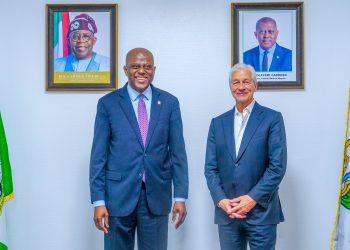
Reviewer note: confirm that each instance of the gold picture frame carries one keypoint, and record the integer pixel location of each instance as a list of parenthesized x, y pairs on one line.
[(81, 47)]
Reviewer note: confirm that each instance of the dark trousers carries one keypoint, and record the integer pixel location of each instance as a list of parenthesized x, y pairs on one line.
[(152, 230), (238, 233)]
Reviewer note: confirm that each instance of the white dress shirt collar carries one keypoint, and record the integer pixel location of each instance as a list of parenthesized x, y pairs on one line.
[(249, 108)]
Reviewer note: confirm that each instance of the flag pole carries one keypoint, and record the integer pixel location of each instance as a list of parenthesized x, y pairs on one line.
[(342, 172)]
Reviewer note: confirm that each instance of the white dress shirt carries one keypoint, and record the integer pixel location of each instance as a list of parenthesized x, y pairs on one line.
[(241, 120)]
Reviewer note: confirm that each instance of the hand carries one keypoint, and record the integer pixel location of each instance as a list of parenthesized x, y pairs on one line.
[(101, 218), (226, 205), (242, 205), (179, 211)]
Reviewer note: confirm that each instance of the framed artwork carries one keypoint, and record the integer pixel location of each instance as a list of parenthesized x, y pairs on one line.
[(81, 47), (269, 37)]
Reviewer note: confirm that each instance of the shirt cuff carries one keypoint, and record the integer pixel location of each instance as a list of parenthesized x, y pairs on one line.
[(180, 199), (99, 203)]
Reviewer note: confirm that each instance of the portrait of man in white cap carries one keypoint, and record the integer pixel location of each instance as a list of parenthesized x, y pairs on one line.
[(81, 39)]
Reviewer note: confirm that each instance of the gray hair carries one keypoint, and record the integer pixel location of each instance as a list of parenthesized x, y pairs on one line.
[(242, 66), (265, 20)]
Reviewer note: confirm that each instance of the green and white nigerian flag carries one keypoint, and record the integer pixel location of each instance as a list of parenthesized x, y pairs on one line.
[(6, 187), (341, 232)]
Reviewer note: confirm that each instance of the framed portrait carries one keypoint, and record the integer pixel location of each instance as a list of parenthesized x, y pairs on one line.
[(81, 47), (269, 37)]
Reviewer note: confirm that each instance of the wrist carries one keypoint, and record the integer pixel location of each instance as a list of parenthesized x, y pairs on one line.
[(221, 203)]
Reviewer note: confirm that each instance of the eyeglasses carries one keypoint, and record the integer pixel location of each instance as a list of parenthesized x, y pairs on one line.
[(264, 32), (238, 83), (85, 37)]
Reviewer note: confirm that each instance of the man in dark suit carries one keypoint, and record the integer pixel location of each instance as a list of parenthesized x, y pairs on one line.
[(134, 162), (245, 162), (268, 56)]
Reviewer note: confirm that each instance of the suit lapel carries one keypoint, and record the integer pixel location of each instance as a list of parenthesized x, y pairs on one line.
[(155, 111), (227, 123), (253, 123), (276, 58), (256, 62), (126, 105)]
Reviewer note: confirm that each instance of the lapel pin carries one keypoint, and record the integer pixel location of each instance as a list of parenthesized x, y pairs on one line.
[(278, 57), (159, 102)]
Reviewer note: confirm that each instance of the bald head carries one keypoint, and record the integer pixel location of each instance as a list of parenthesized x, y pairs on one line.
[(139, 68), (138, 51)]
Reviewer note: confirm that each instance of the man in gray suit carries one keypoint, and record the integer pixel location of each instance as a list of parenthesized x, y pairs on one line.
[(138, 152), (245, 162)]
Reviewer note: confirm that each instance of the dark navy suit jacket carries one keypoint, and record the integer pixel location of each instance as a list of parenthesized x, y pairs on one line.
[(281, 60), (258, 168), (119, 158)]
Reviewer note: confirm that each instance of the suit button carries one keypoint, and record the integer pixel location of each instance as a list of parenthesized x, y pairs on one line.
[(145, 155), (236, 164)]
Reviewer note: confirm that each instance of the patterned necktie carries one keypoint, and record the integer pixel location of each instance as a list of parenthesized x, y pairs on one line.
[(142, 118), (264, 62)]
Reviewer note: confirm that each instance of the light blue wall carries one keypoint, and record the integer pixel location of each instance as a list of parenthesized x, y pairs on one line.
[(50, 134)]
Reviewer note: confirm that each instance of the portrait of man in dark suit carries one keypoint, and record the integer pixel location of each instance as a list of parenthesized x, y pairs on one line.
[(245, 162), (138, 155), (268, 55)]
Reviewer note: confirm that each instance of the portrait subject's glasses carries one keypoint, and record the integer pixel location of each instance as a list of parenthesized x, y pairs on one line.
[(85, 37), (264, 32)]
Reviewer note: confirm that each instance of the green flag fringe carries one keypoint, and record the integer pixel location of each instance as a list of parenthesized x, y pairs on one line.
[(6, 187)]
